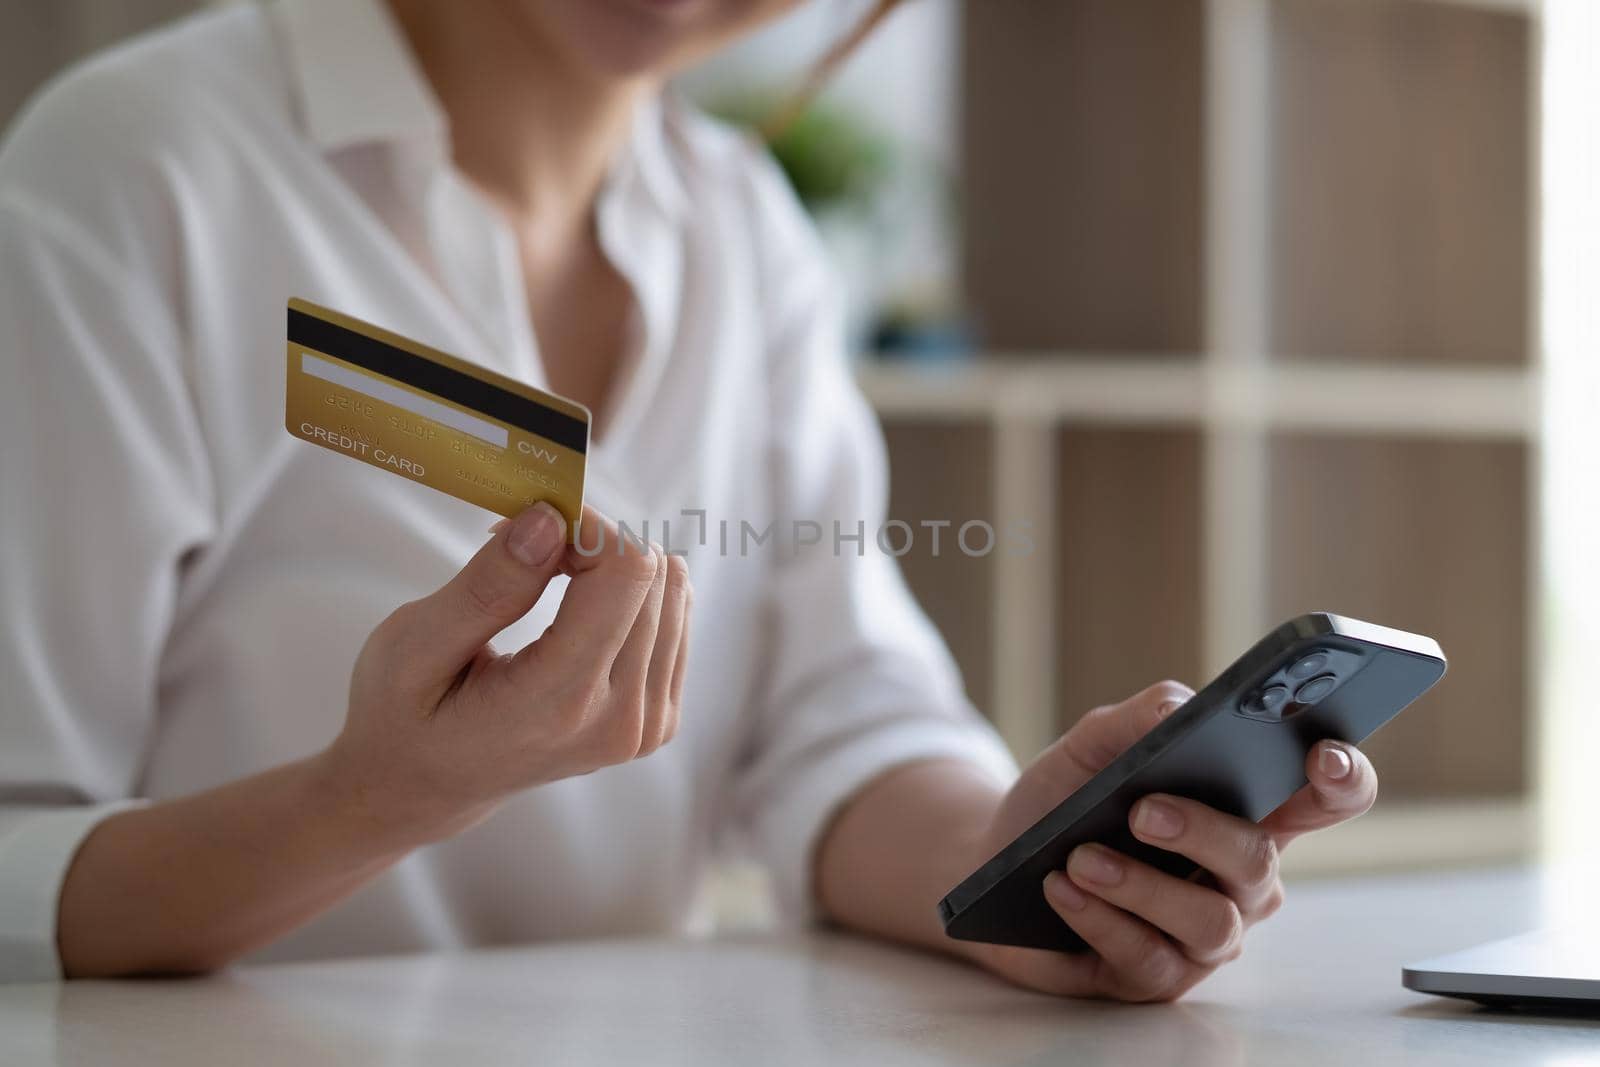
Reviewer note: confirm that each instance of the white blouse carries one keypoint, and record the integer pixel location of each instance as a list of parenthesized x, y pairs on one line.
[(184, 587)]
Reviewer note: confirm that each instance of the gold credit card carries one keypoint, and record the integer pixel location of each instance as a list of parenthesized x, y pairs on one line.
[(431, 417)]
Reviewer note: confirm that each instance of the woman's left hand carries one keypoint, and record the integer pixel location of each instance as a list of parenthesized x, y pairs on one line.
[(1154, 936)]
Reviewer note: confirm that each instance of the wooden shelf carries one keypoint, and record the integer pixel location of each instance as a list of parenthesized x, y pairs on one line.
[(737, 895), (944, 471), (1262, 304), (1127, 551), (1433, 536), (1530, 8), (1401, 168), (1415, 835), (1445, 401)]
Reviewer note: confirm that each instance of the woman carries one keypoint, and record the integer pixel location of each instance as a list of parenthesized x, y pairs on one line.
[(201, 612)]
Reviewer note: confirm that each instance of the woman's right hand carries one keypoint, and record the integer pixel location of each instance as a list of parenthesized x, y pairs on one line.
[(441, 727)]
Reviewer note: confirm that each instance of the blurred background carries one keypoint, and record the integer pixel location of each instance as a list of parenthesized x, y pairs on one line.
[(1250, 308)]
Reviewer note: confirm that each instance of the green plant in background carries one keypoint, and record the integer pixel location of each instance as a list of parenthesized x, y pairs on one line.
[(867, 193), (835, 160)]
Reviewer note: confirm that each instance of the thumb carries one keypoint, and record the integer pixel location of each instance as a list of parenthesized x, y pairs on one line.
[(1107, 732), (497, 587), (1097, 738)]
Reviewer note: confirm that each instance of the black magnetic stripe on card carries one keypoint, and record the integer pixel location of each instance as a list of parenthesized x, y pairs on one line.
[(447, 383)]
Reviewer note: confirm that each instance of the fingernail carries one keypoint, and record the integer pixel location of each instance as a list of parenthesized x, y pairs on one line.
[(1167, 708), (1335, 762), (1060, 891), (497, 527), (1157, 818), (1093, 864), (536, 535)]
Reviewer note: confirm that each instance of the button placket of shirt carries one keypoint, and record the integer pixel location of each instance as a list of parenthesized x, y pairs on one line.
[(478, 260), (645, 248)]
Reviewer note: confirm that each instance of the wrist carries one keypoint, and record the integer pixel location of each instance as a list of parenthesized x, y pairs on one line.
[(971, 850), (384, 820)]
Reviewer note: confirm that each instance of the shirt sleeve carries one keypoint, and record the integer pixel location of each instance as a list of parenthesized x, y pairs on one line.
[(859, 680), (104, 488)]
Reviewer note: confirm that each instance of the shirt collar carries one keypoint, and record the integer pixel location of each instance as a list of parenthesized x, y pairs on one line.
[(356, 81), (649, 154), (354, 75)]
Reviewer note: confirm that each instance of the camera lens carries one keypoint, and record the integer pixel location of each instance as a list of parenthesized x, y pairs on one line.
[(1267, 701), (1316, 689), (1308, 666)]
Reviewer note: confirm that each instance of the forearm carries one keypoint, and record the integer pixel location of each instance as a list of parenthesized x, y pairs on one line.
[(189, 885), (900, 845)]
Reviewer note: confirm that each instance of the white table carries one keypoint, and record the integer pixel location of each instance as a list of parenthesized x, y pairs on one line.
[(1320, 984)]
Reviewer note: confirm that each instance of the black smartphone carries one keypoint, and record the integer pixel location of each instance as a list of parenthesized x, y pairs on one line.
[(1239, 745)]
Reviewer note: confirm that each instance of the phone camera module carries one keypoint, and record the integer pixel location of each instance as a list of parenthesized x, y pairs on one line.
[(1266, 703), (1308, 667), (1316, 689)]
